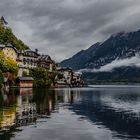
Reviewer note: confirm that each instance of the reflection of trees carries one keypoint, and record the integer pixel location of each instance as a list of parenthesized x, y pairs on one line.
[(45, 101), (7, 113), (12, 105), (7, 99)]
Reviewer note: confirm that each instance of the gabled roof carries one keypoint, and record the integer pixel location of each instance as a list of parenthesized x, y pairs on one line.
[(64, 69), (25, 78), (3, 20), (27, 52), (11, 46), (44, 58), (2, 46)]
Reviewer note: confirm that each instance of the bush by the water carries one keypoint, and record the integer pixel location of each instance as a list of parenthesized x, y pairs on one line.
[(40, 76)]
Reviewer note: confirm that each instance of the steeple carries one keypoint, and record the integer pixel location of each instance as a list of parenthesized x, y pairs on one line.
[(4, 21)]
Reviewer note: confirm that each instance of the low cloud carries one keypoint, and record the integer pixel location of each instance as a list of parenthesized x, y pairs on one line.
[(117, 63)]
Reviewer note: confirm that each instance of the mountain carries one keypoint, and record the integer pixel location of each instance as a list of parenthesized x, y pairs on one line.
[(81, 59), (110, 58), (7, 36)]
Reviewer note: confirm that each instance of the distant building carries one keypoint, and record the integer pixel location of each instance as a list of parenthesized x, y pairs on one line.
[(45, 61), (77, 79), (67, 74)]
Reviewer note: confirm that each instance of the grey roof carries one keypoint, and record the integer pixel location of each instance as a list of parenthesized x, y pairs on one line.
[(25, 78), (64, 69), (44, 57), (29, 53), (2, 45), (8, 45), (11, 46)]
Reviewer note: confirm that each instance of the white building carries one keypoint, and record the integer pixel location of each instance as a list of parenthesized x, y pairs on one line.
[(27, 60)]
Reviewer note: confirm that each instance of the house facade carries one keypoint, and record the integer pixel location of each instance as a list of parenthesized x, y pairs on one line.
[(45, 61), (77, 79), (67, 75), (25, 82), (27, 60), (9, 51)]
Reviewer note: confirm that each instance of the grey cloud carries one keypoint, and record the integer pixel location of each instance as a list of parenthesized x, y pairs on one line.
[(63, 27)]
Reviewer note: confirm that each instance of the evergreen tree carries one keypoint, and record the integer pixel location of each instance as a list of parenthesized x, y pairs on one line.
[(7, 36)]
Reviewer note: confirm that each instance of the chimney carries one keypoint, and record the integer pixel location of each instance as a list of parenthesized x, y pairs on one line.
[(36, 50)]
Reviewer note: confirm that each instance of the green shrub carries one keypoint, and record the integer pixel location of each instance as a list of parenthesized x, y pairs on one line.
[(40, 76)]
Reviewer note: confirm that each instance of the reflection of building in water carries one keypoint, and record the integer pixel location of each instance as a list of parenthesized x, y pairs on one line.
[(25, 91), (7, 111), (68, 95), (7, 118), (45, 103), (26, 110)]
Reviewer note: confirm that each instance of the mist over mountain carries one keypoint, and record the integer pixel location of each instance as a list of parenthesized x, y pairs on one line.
[(120, 53)]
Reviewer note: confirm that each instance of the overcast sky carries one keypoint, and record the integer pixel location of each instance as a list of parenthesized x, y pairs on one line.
[(61, 28)]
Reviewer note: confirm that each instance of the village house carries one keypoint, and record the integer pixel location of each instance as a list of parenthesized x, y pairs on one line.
[(67, 75), (45, 61), (27, 60), (77, 79), (25, 82), (9, 51)]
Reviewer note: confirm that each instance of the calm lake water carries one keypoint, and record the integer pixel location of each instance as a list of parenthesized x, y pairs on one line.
[(94, 113)]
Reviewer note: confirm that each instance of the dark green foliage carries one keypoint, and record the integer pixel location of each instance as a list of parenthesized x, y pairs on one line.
[(40, 76), (7, 36), (60, 75), (7, 64), (25, 74)]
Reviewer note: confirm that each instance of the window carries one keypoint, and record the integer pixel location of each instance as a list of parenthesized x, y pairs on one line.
[(24, 61)]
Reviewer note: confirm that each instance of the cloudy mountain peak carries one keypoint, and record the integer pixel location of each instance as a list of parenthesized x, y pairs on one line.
[(119, 51)]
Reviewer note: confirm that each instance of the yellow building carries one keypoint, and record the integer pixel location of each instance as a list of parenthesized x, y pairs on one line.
[(9, 51)]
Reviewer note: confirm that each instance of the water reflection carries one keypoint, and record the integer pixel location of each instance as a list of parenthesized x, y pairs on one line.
[(118, 111), (112, 109), (26, 109)]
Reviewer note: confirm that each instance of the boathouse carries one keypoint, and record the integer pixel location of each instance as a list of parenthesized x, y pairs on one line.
[(25, 82)]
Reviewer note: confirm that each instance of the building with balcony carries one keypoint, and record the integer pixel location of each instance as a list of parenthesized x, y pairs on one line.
[(27, 60)]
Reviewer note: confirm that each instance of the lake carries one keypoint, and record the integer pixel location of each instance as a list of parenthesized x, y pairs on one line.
[(93, 113)]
